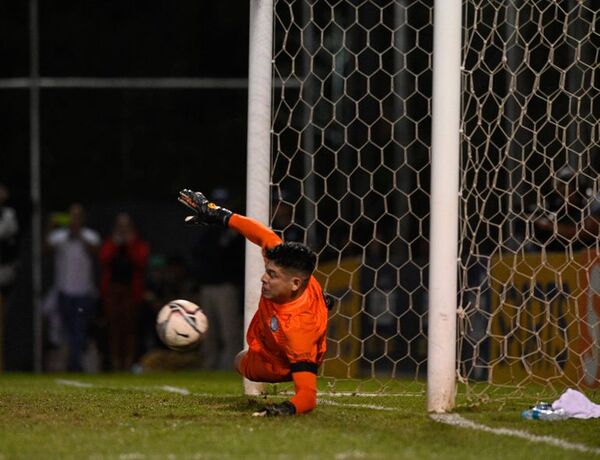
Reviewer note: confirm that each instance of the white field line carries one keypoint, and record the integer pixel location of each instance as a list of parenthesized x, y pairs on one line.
[(167, 388), (457, 420), (345, 394), (73, 383), (185, 391), (325, 402), (170, 389)]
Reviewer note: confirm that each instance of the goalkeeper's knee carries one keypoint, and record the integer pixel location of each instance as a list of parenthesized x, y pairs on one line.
[(237, 361)]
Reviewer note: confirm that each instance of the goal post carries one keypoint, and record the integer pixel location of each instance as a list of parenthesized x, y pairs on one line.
[(259, 151), (445, 162)]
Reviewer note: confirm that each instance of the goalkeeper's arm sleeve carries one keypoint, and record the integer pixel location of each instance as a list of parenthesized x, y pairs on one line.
[(305, 384), (253, 230)]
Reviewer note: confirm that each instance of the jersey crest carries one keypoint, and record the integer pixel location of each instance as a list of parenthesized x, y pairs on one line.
[(274, 324)]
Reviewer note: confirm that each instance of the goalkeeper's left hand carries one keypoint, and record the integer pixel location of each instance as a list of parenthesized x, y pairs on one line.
[(275, 410)]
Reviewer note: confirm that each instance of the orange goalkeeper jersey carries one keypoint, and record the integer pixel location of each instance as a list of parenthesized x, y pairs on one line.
[(290, 335)]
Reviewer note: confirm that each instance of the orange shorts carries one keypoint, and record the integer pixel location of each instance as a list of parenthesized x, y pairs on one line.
[(258, 368)]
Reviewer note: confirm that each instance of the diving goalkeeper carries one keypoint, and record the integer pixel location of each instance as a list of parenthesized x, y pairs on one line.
[(287, 335)]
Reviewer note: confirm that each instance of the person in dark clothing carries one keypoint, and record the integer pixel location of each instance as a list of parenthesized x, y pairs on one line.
[(569, 222), (219, 259)]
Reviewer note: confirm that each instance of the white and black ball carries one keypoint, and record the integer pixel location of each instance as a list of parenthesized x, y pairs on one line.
[(181, 325)]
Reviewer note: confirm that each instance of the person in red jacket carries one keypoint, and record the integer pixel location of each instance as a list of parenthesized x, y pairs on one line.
[(287, 335), (123, 261)]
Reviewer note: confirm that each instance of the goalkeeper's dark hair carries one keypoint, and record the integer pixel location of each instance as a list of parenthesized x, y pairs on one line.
[(294, 256)]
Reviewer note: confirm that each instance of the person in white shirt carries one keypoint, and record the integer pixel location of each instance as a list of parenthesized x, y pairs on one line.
[(75, 249)]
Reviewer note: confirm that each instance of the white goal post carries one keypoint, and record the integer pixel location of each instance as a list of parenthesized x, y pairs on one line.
[(259, 151), (445, 161)]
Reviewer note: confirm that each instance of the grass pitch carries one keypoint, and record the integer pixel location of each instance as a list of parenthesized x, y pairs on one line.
[(204, 416)]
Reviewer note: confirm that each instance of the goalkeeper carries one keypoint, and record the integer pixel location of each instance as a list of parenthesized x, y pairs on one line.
[(287, 335)]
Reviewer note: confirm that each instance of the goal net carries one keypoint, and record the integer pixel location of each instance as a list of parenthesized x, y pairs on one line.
[(351, 164)]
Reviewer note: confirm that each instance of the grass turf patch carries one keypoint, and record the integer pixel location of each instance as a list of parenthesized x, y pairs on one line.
[(204, 416)]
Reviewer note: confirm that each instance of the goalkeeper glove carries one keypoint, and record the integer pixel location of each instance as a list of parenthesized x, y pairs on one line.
[(275, 410), (206, 211)]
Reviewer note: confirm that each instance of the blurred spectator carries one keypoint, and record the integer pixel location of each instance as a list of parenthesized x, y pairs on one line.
[(9, 229), (570, 218), (219, 260), (168, 279), (74, 248), (123, 261)]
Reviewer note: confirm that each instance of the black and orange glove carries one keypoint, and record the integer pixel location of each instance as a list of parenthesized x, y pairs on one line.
[(206, 212), (276, 410)]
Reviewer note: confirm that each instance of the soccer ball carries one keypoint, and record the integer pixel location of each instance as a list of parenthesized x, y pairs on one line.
[(181, 325)]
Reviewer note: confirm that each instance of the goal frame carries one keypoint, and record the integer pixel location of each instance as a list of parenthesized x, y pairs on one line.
[(445, 178)]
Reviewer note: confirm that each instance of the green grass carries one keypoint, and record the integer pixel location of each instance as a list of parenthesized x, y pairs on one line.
[(134, 417)]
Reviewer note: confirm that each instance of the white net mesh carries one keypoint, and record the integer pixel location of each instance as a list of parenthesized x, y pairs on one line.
[(351, 171), (529, 194)]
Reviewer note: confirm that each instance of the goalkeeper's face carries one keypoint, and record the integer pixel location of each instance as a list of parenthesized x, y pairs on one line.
[(279, 284)]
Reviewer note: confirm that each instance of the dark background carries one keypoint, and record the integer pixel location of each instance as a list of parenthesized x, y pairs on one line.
[(121, 149), (125, 144)]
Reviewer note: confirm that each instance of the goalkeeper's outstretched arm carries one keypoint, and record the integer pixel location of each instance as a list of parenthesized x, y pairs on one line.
[(207, 212), (254, 231)]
